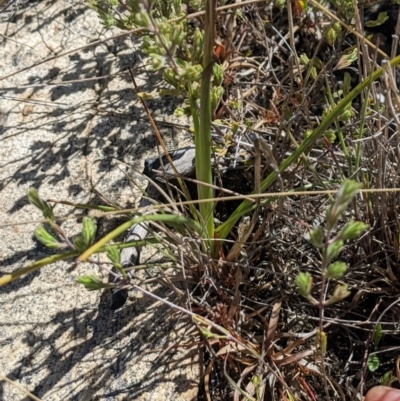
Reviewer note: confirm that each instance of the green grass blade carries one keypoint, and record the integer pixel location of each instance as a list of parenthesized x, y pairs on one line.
[(7, 278), (224, 229), (203, 136)]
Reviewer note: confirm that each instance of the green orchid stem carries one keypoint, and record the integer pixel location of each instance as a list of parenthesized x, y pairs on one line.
[(224, 229), (203, 134)]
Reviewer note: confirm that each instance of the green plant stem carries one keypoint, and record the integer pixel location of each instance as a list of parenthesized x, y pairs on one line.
[(173, 220), (8, 278), (339, 131), (224, 229), (203, 136), (321, 306), (362, 124)]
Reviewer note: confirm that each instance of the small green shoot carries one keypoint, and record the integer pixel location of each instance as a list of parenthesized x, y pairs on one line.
[(377, 335), (382, 18), (43, 236), (331, 247), (93, 283), (42, 205), (373, 362), (387, 379), (114, 254)]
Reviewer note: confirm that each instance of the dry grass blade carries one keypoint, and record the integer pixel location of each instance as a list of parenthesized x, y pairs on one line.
[(271, 329), (293, 358), (24, 390), (244, 374), (207, 378), (233, 307)]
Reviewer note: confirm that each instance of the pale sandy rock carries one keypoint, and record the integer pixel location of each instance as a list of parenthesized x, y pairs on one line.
[(58, 340)]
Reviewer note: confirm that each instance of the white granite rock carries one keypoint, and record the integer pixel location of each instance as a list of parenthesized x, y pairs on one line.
[(57, 340)]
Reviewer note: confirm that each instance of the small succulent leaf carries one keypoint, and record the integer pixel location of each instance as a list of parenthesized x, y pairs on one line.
[(339, 293), (345, 194), (134, 6), (304, 284), (313, 72), (216, 95), (352, 230), (321, 341), (88, 230), (387, 379), (80, 244), (304, 60), (317, 236), (218, 74), (334, 249), (42, 205), (177, 7), (337, 27), (336, 270), (377, 335), (331, 36), (373, 362), (43, 236), (382, 18), (93, 283)]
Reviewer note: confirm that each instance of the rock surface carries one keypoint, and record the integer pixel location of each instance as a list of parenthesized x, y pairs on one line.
[(59, 341)]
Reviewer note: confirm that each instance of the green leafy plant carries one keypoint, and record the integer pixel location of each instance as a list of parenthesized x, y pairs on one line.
[(382, 18), (373, 362), (331, 245), (150, 23), (190, 237), (377, 335), (186, 56), (387, 379)]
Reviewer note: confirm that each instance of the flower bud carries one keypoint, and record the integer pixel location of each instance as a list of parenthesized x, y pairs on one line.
[(317, 236), (304, 284), (304, 59), (334, 249), (46, 238), (321, 341), (330, 135), (346, 193), (340, 292), (42, 205), (218, 74), (352, 230), (336, 270), (88, 230), (331, 36)]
